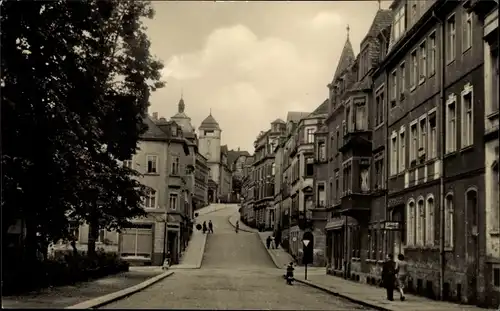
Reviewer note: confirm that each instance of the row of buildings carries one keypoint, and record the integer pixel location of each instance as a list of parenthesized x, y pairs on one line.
[(402, 157), (185, 171)]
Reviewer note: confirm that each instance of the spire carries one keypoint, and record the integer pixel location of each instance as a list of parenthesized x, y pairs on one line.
[(181, 106), (346, 57), (210, 111), (379, 4)]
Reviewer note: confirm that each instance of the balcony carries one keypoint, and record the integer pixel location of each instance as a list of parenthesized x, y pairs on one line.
[(356, 204), (356, 140)]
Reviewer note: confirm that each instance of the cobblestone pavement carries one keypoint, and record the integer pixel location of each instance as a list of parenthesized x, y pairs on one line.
[(237, 273)]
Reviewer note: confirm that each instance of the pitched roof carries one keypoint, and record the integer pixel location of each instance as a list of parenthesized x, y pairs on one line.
[(346, 59), (224, 149), (321, 109), (209, 123), (153, 130), (233, 155), (296, 116), (382, 19)]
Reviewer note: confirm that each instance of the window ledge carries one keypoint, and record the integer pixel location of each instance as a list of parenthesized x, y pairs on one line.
[(413, 88), (432, 74), (421, 81), (152, 174), (450, 61), (450, 154), (467, 148), (495, 233), (492, 115), (467, 49), (378, 126)]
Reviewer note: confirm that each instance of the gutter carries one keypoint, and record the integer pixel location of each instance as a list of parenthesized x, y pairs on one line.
[(442, 145)]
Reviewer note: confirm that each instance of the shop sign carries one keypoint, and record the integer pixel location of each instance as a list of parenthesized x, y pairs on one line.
[(391, 225)]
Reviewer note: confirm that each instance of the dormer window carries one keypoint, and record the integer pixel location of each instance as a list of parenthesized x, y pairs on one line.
[(174, 130)]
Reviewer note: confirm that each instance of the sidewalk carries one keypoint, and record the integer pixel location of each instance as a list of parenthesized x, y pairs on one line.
[(212, 208), (193, 255), (65, 296), (236, 217), (375, 296)]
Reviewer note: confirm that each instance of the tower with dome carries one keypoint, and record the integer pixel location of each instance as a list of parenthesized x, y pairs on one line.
[(209, 146)]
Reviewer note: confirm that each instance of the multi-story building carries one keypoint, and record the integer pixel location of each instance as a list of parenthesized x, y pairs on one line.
[(424, 74), (247, 193), (236, 160), (209, 145), (201, 174), (487, 13)]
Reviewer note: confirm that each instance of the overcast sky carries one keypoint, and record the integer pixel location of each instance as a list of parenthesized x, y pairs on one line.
[(251, 62)]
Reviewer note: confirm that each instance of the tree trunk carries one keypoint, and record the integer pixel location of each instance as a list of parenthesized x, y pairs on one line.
[(92, 238)]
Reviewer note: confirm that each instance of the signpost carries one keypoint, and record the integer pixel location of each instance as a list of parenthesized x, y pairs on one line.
[(308, 250)]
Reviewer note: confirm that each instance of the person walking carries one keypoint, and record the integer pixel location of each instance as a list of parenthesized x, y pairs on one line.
[(205, 227), (210, 227), (273, 242), (237, 227), (268, 241), (389, 276), (402, 275)]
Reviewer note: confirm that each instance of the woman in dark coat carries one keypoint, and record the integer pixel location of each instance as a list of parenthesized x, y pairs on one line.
[(205, 227), (389, 276)]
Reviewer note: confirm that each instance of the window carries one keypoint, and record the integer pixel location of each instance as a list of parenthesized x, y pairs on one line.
[(402, 88), (373, 238), (471, 208), (310, 135), (379, 172), (402, 150), (467, 38), (273, 169), (413, 141), (394, 88), (101, 236), (467, 116), (420, 223), (394, 152), (451, 124), (429, 217), (175, 166), (321, 195), (152, 164), (410, 223), (337, 185), (322, 151), (309, 167), (422, 139), (432, 54), (379, 107), (494, 81), (448, 221), (413, 69), (495, 215), (423, 61), (399, 23), (150, 200), (174, 130), (432, 139), (414, 12), (127, 163), (172, 201), (347, 178), (361, 116), (452, 39)]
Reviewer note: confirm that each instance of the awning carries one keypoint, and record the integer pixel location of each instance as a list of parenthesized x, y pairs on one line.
[(174, 218), (338, 222)]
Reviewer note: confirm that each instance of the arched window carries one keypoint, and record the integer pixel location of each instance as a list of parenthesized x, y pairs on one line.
[(449, 220), (420, 222), (410, 223), (429, 217), (471, 199)]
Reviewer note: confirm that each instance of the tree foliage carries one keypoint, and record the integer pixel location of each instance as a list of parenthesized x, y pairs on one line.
[(76, 77)]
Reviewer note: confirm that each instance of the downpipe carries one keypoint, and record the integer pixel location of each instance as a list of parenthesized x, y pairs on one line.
[(442, 145)]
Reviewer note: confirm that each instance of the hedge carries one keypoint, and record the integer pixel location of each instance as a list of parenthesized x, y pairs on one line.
[(64, 269)]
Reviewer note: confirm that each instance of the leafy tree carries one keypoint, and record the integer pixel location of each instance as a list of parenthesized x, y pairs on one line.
[(76, 77)]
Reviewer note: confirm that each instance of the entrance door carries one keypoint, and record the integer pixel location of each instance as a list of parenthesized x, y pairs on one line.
[(472, 253), (397, 237)]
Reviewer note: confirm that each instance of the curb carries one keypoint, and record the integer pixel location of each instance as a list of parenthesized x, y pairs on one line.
[(348, 297), (204, 244), (240, 229), (109, 298)]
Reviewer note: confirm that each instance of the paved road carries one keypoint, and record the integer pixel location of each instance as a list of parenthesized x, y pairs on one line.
[(237, 273)]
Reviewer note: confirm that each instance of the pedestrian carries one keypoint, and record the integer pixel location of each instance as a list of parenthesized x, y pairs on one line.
[(268, 241), (402, 273), (389, 276), (278, 238), (210, 227), (237, 227), (273, 242), (205, 227)]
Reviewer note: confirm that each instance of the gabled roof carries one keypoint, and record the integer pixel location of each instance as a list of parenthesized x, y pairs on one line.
[(233, 155), (296, 116), (160, 130), (278, 121), (321, 109), (346, 59), (382, 19)]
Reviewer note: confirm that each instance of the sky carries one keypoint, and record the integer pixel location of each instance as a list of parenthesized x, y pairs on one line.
[(250, 63)]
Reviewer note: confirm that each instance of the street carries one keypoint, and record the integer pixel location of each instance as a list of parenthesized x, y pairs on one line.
[(237, 273)]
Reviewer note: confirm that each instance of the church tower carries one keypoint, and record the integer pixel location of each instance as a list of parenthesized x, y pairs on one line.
[(209, 145)]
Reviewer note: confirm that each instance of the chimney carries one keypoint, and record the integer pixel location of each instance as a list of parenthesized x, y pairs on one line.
[(155, 116)]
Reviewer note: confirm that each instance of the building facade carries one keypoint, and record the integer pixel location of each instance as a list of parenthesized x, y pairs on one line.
[(201, 175)]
